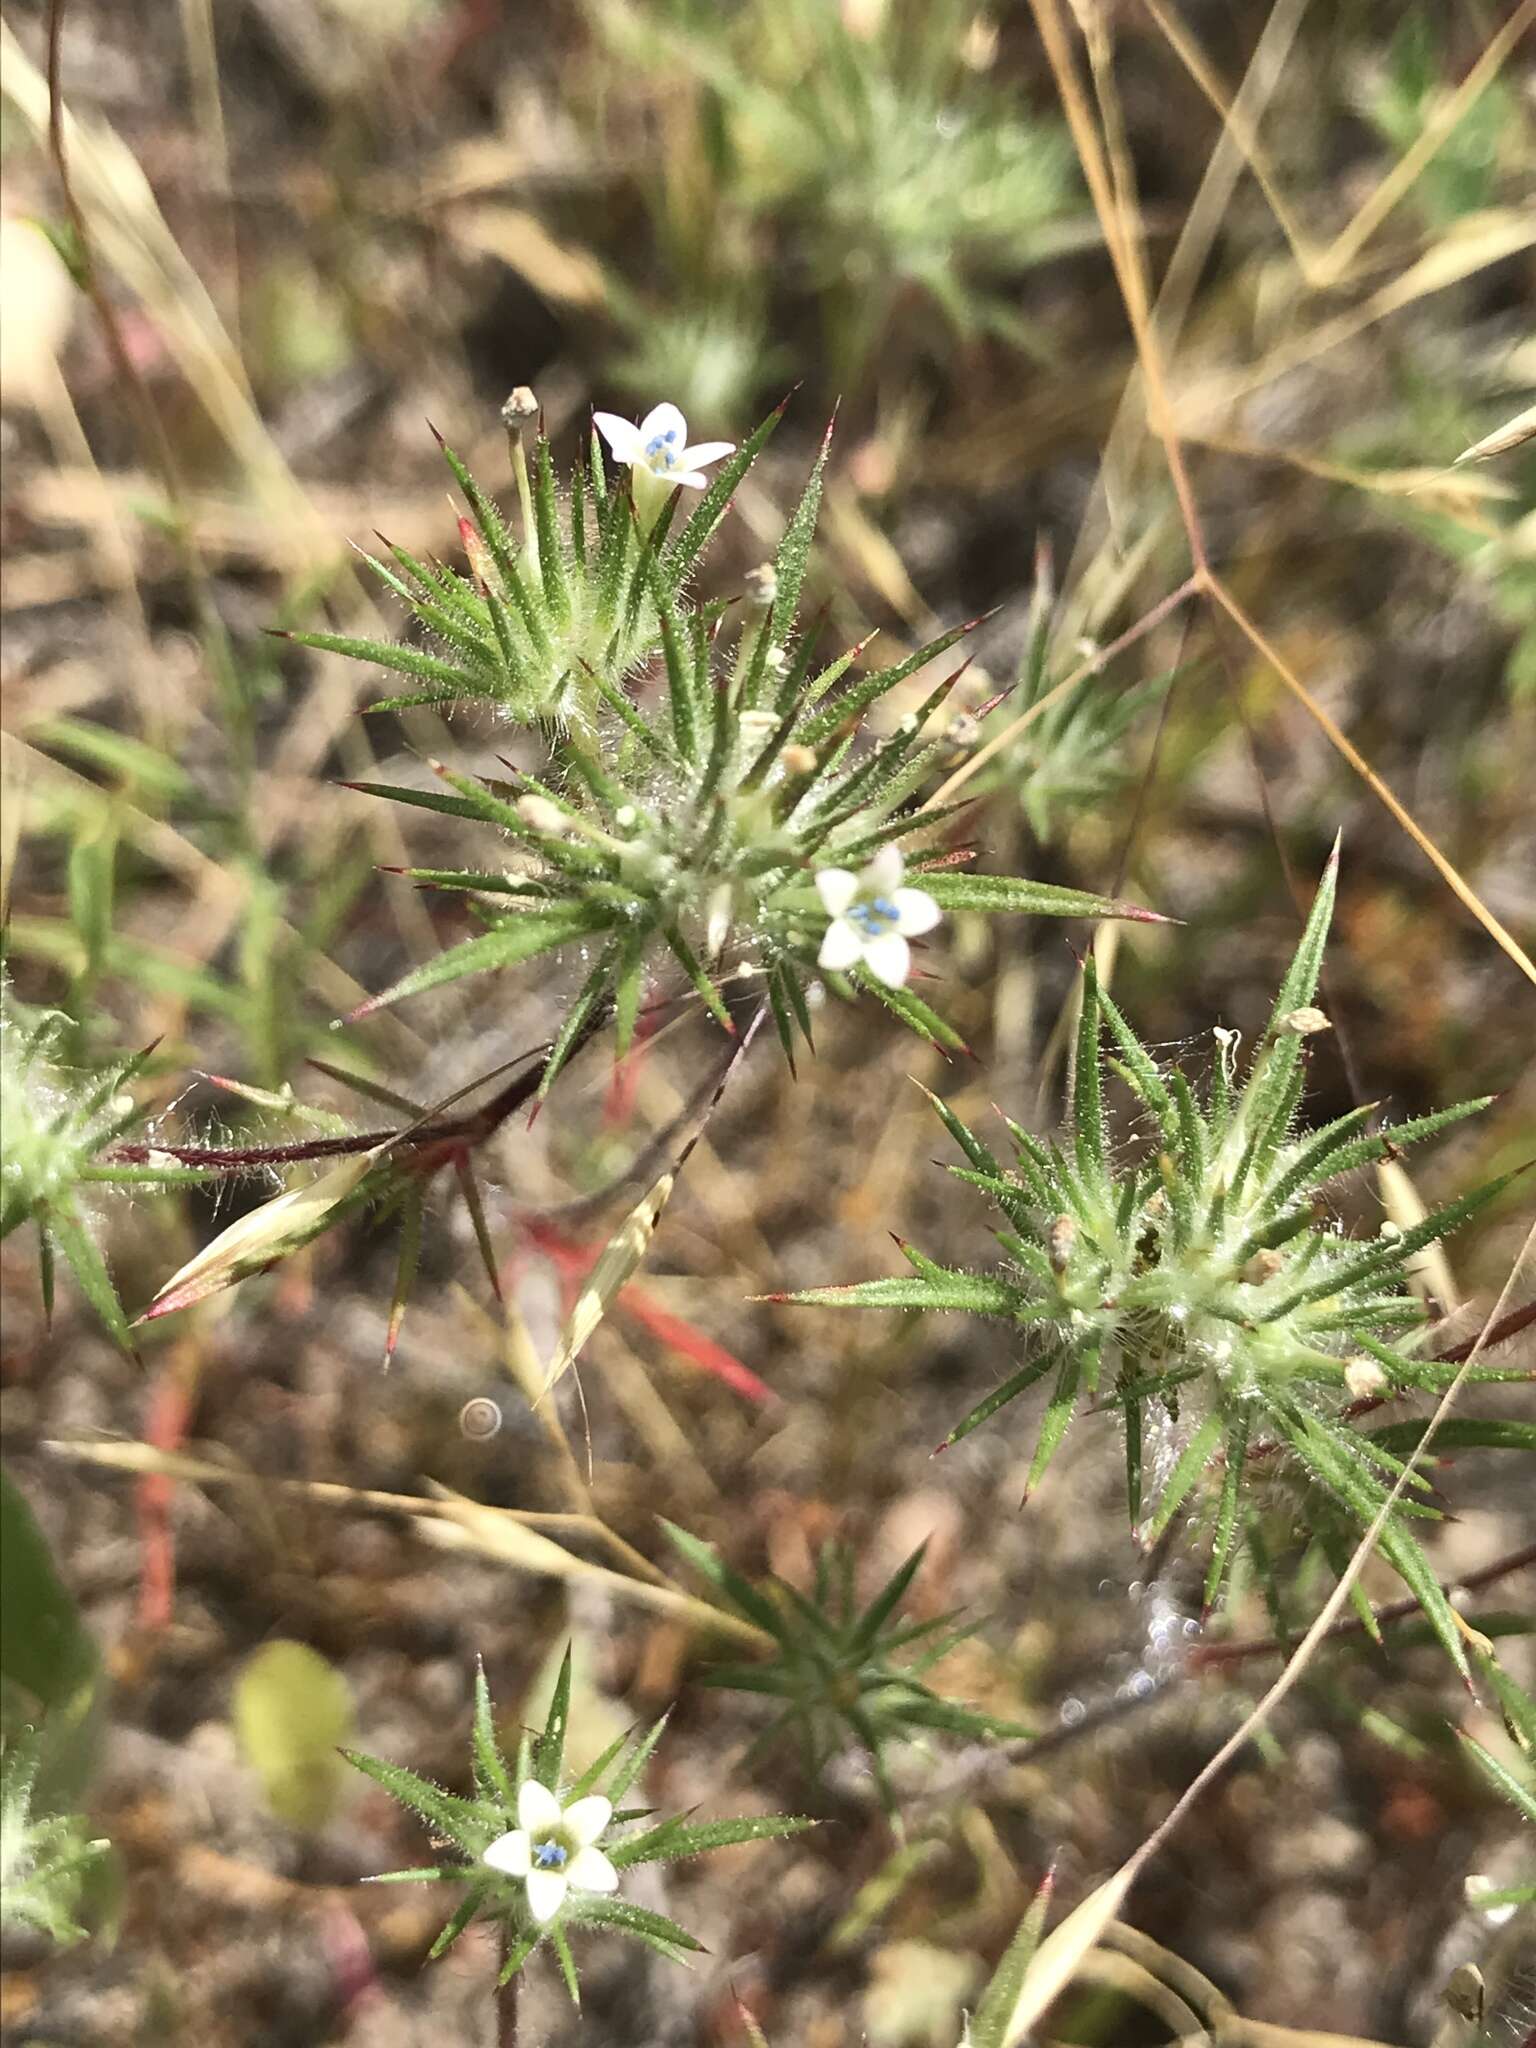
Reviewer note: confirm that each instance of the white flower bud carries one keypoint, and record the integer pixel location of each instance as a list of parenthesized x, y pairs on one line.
[(520, 405), (540, 815), (978, 48), (762, 586), (718, 926)]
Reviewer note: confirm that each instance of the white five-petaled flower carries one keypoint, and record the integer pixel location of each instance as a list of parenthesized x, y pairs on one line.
[(873, 917), (658, 454), (553, 1848)]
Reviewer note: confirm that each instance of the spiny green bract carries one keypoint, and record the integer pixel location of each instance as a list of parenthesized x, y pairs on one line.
[(835, 1668), (1203, 1294), (44, 1858), (471, 1826), (683, 818), (57, 1123)]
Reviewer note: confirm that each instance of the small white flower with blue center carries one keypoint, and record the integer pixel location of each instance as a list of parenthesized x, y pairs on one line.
[(554, 1848), (872, 918), (658, 454)]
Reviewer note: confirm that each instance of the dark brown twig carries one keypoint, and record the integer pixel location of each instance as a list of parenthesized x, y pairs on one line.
[(506, 1998), (1206, 1656)]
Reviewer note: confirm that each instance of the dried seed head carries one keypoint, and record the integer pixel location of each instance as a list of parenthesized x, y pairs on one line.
[(1303, 1023), (799, 760), (1465, 1992), (1060, 1239), (1364, 1379), (1262, 1266), (978, 49), (520, 405)]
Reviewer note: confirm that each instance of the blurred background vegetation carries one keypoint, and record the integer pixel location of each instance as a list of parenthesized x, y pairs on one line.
[(298, 231)]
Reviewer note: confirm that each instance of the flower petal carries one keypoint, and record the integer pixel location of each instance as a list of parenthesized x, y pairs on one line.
[(590, 1871), (586, 1819), (546, 1893), (509, 1853), (662, 421), (889, 959), (883, 875), (690, 479), (837, 888), (915, 912), (707, 451), (537, 1807), (841, 947), (622, 436)]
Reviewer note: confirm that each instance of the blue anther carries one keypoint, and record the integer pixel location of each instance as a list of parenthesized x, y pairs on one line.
[(874, 915)]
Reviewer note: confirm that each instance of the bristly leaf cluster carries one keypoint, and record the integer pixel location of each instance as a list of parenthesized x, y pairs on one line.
[(688, 802), (1074, 755), (471, 1826), (1203, 1294), (58, 1123), (551, 626), (862, 158), (838, 1671), (45, 1859)]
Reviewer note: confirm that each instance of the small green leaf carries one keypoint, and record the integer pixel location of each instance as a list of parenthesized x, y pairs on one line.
[(992, 2025), (654, 1929), (562, 1947), (1058, 1413), (83, 1256), (492, 1779), (674, 1839), (973, 1293), (1190, 1465), (953, 890), (471, 1826), (523, 937), (1522, 1796), (549, 1749), (44, 1646), (292, 1713)]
